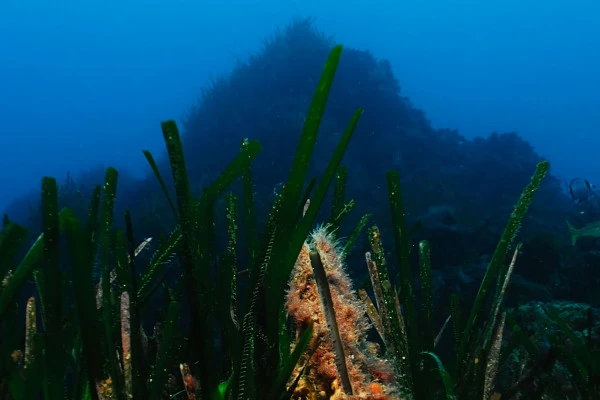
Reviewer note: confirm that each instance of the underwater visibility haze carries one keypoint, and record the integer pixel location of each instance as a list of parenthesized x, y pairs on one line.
[(300, 200)]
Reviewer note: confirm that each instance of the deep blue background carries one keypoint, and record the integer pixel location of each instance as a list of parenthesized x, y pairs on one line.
[(87, 83)]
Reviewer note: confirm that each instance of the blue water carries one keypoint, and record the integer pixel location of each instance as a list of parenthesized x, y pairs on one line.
[(87, 83)]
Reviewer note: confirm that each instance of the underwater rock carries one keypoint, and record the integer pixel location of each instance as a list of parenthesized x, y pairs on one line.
[(266, 97), (546, 335)]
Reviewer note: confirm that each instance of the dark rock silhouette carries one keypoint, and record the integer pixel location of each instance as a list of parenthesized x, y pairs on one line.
[(266, 98)]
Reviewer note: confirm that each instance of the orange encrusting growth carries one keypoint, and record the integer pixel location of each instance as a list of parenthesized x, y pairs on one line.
[(371, 377)]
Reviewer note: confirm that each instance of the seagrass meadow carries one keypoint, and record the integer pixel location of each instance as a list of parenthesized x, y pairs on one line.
[(288, 325)]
